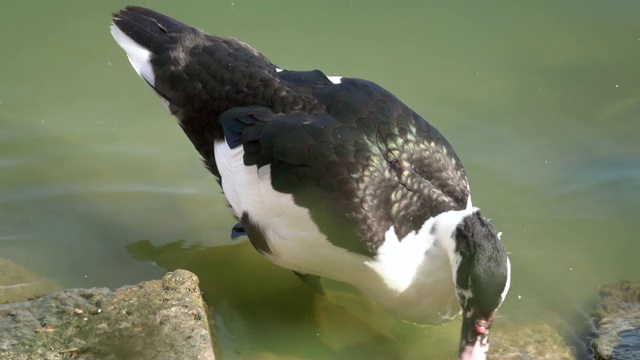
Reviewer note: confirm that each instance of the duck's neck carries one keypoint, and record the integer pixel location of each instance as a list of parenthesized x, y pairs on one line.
[(443, 228)]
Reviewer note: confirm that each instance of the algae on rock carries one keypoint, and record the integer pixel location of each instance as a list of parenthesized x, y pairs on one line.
[(159, 319), (618, 322)]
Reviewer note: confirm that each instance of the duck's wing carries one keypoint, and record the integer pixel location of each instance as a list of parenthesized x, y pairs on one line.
[(366, 164)]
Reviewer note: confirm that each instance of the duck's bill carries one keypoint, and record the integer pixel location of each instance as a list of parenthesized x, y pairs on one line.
[(476, 351), (474, 343)]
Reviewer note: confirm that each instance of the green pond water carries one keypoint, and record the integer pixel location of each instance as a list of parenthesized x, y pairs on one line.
[(540, 99)]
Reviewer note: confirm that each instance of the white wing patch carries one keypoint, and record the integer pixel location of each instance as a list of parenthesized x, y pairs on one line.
[(139, 56), (335, 79)]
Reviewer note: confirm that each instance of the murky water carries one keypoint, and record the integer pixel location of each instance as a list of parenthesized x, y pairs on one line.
[(541, 99)]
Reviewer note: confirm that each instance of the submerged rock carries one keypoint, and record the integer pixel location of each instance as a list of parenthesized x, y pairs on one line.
[(618, 322), (159, 319), (17, 283), (531, 341)]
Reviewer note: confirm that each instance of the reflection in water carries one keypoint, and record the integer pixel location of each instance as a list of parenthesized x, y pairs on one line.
[(259, 308)]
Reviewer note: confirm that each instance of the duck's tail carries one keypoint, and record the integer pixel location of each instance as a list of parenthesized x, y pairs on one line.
[(144, 35), (200, 76)]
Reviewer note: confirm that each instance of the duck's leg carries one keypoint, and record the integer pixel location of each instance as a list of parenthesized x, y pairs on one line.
[(313, 281), (238, 230)]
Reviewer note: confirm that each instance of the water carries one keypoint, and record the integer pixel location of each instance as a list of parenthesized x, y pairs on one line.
[(540, 99)]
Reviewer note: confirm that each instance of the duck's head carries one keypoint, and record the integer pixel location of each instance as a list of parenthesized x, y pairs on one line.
[(481, 273)]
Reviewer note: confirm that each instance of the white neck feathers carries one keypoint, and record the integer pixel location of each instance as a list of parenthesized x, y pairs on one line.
[(444, 227)]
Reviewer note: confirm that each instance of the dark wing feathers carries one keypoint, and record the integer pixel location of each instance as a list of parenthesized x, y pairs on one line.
[(366, 164)]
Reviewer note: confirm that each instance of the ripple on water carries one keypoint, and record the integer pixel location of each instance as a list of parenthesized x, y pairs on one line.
[(29, 193), (14, 161), (611, 178)]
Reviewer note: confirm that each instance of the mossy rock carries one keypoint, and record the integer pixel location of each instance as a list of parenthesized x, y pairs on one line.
[(617, 322), (534, 340), (159, 319)]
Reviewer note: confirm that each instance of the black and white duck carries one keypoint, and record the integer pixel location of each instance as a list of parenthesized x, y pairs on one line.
[(329, 176)]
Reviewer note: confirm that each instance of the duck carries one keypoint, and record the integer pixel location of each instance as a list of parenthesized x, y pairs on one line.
[(329, 176)]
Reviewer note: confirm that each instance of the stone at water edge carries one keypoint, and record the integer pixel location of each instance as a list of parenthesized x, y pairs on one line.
[(618, 322), (160, 319)]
